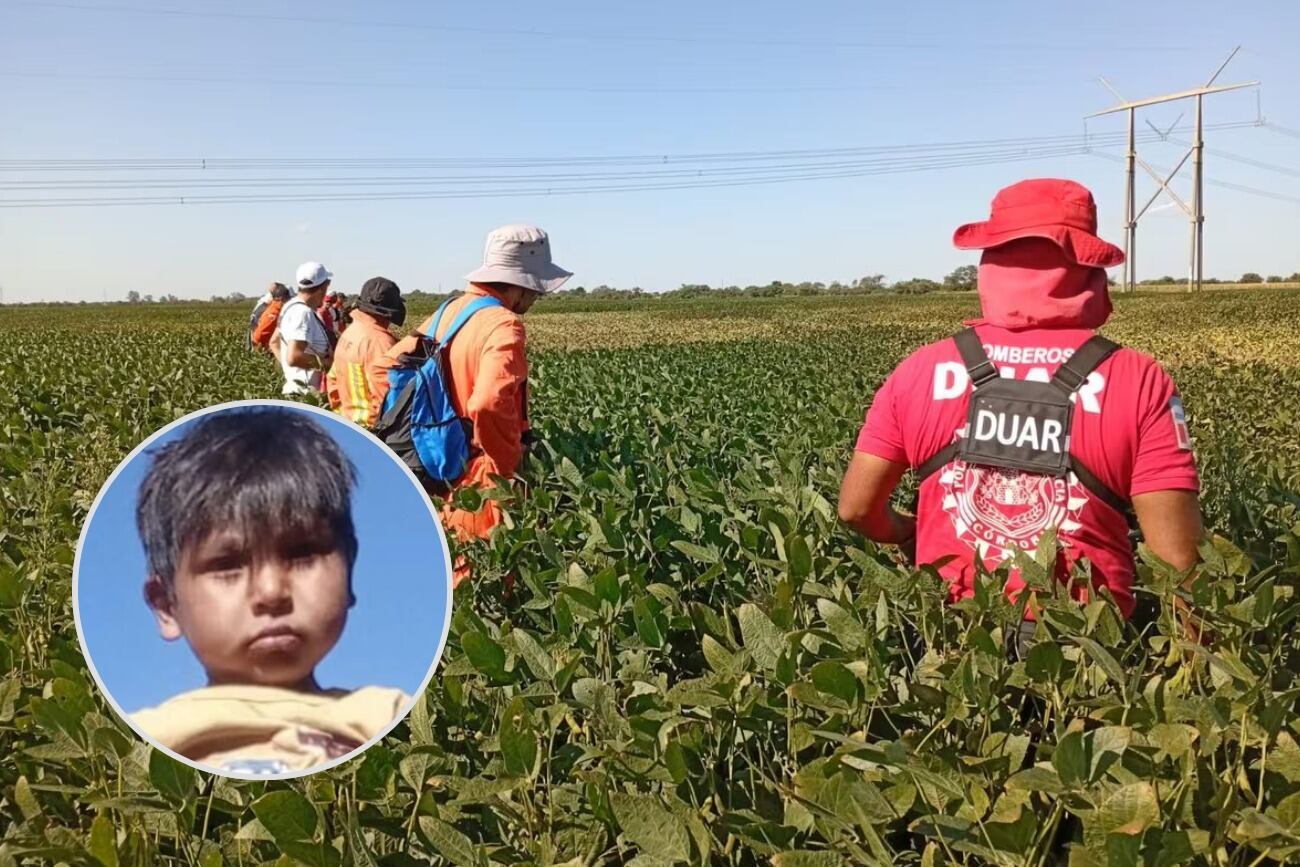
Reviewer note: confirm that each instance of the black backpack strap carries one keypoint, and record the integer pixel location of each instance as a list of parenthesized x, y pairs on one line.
[(1074, 372), (1090, 481), (937, 460), (978, 366), (980, 370)]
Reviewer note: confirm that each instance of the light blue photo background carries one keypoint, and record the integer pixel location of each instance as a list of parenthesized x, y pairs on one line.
[(400, 583)]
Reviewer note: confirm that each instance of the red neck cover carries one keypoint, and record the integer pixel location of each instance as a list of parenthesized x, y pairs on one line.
[(1031, 284)]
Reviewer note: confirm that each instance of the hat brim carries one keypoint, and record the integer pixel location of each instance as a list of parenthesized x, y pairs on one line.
[(549, 278), (329, 275), (1080, 247), (381, 309)]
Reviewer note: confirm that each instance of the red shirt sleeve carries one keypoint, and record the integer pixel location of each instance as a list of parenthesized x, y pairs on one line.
[(882, 433), (1164, 459)]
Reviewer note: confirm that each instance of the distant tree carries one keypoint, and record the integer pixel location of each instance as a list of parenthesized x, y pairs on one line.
[(692, 290), (962, 279), (133, 297), (148, 299), (871, 283), (579, 291), (915, 286), (1274, 278), (1294, 278), (1251, 277)]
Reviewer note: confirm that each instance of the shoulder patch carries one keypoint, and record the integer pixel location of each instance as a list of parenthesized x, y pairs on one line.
[(1180, 423)]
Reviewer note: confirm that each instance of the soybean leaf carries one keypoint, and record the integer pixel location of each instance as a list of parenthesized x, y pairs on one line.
[(518, 739), (648, 825), (835, 679), (760, 636), (319, 854), (485, 654), (103, 841), (173, 780), (448, 842), (286, 814), (645, 611), (1102, 657), (535, 656)]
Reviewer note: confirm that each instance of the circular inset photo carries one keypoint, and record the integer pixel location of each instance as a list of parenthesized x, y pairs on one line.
[(261, 590)]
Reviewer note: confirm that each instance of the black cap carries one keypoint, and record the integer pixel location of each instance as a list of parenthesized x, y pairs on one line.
[(383, 297)]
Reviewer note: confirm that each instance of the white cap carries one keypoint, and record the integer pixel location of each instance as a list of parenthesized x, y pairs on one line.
[(311, 275)]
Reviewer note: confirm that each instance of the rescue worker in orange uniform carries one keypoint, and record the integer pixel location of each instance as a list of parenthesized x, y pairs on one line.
[(358, 379), (270, 317), (489, 369)]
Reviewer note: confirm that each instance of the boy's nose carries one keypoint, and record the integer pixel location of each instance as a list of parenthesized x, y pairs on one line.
[(271, 587)]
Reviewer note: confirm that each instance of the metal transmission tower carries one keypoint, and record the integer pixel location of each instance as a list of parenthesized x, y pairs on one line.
[(1196, 210)]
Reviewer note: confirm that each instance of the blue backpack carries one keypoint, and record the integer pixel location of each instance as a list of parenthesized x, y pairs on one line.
[(418, 420)]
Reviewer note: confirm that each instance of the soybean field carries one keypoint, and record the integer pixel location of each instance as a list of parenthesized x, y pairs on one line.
[(695, 663)]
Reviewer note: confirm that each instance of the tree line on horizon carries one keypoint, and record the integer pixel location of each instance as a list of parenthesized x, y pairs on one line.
[(961, 279)]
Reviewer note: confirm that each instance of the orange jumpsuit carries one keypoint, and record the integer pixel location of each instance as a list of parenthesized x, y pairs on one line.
[(358, 379), (489, 373)]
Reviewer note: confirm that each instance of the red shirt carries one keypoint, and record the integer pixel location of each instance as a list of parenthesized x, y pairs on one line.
[(1128, 428)]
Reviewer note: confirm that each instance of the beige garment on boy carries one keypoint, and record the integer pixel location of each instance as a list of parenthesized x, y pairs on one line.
[(267, 730)]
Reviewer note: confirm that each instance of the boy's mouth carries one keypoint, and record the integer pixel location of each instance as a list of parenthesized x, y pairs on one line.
[(275, 639)]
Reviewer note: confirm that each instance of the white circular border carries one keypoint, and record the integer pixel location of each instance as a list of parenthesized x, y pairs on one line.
[(334, 418)]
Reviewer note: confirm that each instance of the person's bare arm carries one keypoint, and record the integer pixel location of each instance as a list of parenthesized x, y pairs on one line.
[(864, 500), (1171, 525), (300, 355)]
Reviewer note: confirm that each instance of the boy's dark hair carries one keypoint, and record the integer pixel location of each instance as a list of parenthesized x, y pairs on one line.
[(268, 471)]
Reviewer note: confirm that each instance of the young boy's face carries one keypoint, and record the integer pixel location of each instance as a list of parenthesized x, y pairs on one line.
[(263, 614)]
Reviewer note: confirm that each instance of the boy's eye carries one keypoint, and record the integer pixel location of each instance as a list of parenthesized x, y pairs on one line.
[(305, 554)]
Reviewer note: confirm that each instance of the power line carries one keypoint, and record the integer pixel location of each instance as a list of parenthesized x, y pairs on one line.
[(207, 164), (426, 85), (1046, 46), (468, 180), (736, 173), (1250, 161), (1286, 131), (746, 168), (1241, 188), (893, 168)]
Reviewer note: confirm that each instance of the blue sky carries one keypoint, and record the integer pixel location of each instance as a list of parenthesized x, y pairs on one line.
[(403, 79), (392, 631)]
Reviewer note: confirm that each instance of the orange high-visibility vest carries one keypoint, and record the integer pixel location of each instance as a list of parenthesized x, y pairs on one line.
[(358, 379)]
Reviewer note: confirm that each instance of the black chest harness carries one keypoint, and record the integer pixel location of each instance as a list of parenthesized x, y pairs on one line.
[(1024, 425)]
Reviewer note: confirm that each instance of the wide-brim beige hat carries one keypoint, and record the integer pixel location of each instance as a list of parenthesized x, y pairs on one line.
[(521, 256)]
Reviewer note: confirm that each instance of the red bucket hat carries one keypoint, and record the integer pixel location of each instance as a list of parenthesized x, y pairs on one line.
[(1061, 211)]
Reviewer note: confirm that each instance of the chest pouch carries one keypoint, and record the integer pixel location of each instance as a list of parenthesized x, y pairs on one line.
[(1024, 425), (1020, 426)]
